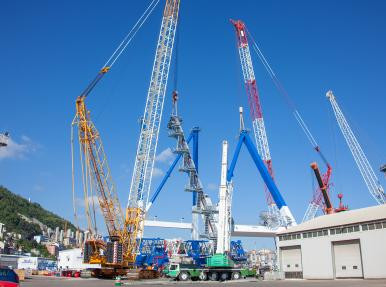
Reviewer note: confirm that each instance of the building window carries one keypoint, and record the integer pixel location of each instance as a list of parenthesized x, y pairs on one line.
[(304, 235), (332, 231), (365, 227), (384, 224), (298, 236), (288, 266), (320, 233), (378, 225), (314, 234), (309, 234), (338, 231), (371, 226), (343, 267), (325, 232), (356, 228), (344, 230), (293, 236), (350, 229), (297, 265), (355, 267)]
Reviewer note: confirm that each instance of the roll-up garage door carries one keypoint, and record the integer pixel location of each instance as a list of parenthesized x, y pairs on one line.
[(291, 261), (347, 259)]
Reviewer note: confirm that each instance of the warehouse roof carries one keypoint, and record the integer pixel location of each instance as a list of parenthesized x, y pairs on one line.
[(342, 218)]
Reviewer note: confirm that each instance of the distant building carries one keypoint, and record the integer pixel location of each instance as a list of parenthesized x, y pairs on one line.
[(262, 257), (41, 238), (72, 259), (349, 244), (53, 249), (2, 230), (61, 236), (57, 232), (36, 263)]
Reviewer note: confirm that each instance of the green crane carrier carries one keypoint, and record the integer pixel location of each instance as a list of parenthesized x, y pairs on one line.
[(218, 267)]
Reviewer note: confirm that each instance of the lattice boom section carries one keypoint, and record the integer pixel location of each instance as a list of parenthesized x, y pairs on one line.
[(144, 162)]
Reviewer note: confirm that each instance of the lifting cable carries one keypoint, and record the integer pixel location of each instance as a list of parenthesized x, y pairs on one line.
[(73, 177), (126, 41), (176, 55), (287, 98), (121, 47)]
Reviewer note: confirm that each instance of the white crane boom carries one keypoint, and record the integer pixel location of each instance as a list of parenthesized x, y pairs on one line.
[(224, 206), (147, 144), (360, 158)]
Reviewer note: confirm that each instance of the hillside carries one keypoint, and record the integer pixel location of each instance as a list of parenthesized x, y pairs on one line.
[(13, 212)]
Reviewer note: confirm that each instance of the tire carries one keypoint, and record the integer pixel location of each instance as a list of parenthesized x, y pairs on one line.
[(224, 276), (203, 276), (213, 276), (236, 275), (183, 276)]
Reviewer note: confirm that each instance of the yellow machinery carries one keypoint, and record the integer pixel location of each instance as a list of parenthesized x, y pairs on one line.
[(125, 231)]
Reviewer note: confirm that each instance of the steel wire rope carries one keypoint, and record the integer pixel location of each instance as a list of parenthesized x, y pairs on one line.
[(137, 26), (73, 176), (287, 98)]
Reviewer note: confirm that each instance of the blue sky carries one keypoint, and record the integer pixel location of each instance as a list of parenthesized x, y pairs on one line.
[(50, 50)]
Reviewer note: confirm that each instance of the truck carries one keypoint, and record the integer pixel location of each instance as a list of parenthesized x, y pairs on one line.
[(218, 267)]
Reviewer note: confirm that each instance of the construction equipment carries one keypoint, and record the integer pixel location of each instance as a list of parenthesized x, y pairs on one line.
[(237, 252), (226, 188), (152, 253), (119, 254), (202, 204), (328, 209), (244, 138), (316, 201), (147, 144), (371, 180), (97, 178), (256, 113)]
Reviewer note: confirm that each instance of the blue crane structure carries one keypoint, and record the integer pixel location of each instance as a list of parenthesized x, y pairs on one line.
[(193, 135), (152, 253), (237, 252), (244, 138)]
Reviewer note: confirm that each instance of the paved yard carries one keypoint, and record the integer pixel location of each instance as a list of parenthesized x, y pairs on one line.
[(72, 282)]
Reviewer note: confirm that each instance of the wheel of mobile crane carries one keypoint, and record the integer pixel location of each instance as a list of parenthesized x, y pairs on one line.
[(203, 276), (184, 276), (213, 276), (236, 275), (224, 276)]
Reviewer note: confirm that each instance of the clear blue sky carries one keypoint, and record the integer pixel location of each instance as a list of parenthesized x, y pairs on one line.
[(50, 50)]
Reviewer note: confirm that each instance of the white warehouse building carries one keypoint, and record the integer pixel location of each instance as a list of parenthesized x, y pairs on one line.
[(349, 244)]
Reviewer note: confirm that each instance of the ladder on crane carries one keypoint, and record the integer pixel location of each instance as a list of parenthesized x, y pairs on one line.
[(367, 172)]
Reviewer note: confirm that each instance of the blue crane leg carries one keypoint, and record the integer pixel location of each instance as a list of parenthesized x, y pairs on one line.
[(279, 200), (234, 159), (168, 173)]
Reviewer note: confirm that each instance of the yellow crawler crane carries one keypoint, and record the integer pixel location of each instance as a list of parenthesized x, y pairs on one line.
[(119, 254), (96, 179)]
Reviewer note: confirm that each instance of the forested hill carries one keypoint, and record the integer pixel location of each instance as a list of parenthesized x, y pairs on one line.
[(12, 205)]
